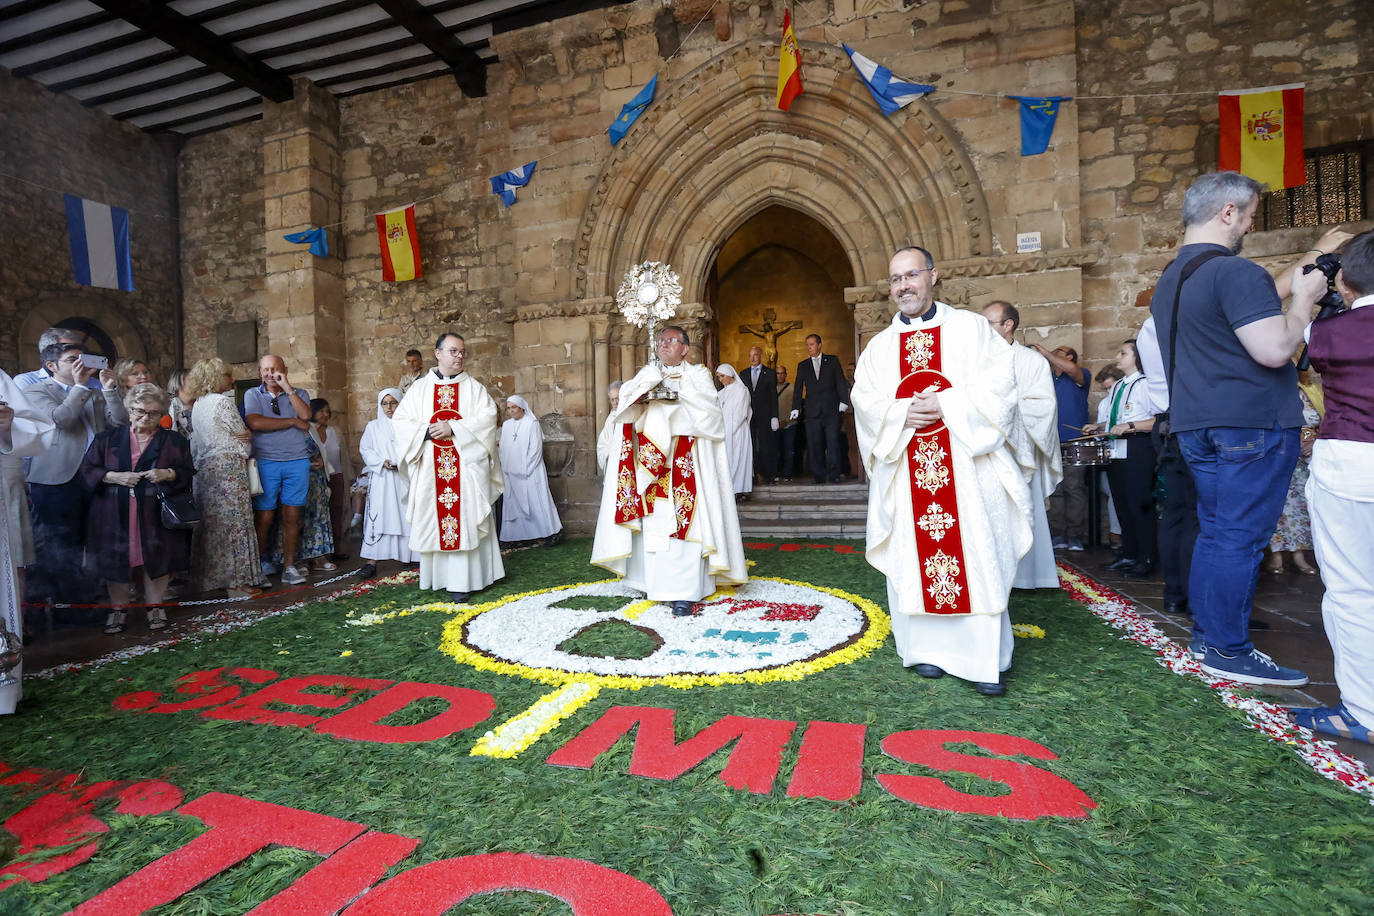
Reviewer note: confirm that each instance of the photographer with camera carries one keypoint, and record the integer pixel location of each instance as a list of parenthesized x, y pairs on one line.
[(1227, 346), (1340, 490), (55, 490)]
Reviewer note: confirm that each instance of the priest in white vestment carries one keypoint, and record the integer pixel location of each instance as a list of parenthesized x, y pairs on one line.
[(528, 512), (24, 431), (385, 535), (667, 523), (446, 438), (737, 410), (1038, 449), (605, 439), (949, 514)]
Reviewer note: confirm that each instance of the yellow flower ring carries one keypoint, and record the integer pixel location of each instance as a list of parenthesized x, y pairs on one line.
[(872, 627)]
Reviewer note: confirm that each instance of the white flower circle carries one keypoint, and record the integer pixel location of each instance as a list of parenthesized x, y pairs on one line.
[(765, 624)]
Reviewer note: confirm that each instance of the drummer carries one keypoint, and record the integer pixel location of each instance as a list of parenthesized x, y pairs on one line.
[(1129, 418)]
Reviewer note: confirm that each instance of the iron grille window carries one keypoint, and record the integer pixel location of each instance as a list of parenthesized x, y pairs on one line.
[(1339, 179)]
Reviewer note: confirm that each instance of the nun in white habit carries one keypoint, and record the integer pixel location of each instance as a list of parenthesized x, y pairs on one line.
[(739, 448), (385, 535), (527, 512)]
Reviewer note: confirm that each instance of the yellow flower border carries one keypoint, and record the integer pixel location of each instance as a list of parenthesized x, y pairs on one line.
[(557, 706), (451, 645)]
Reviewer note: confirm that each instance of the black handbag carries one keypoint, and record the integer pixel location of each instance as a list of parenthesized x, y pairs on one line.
[(179, 510)]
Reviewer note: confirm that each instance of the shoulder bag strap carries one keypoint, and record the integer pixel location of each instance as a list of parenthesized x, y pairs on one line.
[(1188, 270)]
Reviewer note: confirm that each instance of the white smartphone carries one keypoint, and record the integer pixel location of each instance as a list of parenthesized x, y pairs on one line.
[(92, 361)]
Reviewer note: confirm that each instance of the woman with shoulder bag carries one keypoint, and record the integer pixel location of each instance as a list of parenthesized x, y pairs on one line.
[(124, 470)]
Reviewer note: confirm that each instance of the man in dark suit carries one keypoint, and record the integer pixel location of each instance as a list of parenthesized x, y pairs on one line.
[(819, 398), (762, 383)]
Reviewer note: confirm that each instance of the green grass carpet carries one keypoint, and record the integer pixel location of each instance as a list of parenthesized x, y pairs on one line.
[(1196, 812)]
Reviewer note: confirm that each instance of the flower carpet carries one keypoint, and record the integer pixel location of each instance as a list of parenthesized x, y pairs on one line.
[(562, 745)]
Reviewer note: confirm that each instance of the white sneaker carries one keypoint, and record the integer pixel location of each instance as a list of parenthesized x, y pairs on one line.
[(292, 576)]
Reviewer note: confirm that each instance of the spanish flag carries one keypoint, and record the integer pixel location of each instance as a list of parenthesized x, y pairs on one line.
[(399, 243), (789, 67), (1261, 135)]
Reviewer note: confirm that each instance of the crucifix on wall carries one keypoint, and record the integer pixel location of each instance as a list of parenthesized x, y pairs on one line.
[(770, 333)]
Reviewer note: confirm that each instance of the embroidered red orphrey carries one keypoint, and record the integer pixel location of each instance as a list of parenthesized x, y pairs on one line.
[(448, 487), (676, 477), (930, 465)]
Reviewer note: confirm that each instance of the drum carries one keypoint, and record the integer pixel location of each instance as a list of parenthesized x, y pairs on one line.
[(1088, 451)]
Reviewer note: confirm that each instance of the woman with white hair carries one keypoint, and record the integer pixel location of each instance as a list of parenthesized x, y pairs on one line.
[(385, 533), (528, 512), (123, 469), (739, 449)]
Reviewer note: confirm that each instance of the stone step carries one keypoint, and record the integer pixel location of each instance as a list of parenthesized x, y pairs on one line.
[(802, 512), (787, 529), (810, 491)]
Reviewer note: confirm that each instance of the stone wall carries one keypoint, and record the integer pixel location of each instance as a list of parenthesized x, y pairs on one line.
[(222, 249), (1140, 153), (53, 145), (530, 286)]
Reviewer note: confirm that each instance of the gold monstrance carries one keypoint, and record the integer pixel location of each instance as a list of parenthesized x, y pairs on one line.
[(650, 293)]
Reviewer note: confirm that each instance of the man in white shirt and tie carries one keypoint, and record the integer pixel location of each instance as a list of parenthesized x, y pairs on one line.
[(762, 383)]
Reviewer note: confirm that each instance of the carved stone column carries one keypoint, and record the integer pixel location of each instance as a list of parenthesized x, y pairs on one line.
[(601, 368), (694, 318), (872, 311)]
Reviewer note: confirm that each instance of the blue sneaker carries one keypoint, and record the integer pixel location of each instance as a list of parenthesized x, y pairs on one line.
[(1254, 667), (1076, 544), (1059, 544), (269, 568), (1197, 648)]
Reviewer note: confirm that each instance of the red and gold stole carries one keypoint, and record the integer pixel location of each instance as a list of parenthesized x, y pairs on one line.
[(448, 488), (673, 478), (930, 469)]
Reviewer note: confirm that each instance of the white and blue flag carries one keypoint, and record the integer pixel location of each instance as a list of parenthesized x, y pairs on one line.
[(888, 91), (99, 237), (504, 185)]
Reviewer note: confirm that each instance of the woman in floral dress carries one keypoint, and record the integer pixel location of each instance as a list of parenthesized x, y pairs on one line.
[(224, 549), (1293, 533)]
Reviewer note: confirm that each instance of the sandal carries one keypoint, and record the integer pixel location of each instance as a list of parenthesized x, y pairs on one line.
[(1331, 720), (114, 622), (246, 592), (157, 618)]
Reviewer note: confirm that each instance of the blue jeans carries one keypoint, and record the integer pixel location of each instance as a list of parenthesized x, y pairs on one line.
[(1242, 478)]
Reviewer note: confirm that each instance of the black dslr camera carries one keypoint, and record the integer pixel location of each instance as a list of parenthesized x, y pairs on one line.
[(1331, 302)]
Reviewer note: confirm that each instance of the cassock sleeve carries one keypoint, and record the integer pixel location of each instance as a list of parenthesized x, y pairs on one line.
[(879, 418), (410, 423), (980, 408), (31, 430)]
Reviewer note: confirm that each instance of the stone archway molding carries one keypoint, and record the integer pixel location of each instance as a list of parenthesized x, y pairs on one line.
[(713, 151), (127, 337)]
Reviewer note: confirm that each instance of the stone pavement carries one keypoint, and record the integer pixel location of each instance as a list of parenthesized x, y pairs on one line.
[(1290, 604), (1288, 618)]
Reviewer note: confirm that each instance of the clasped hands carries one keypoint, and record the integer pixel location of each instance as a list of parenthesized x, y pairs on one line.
[(441, 429), (131, 479), (924, 410)]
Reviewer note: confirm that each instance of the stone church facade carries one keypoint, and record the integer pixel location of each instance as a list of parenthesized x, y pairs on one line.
[(771, 219)]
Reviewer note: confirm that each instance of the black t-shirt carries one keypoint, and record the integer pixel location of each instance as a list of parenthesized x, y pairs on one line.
[(1216, 382)]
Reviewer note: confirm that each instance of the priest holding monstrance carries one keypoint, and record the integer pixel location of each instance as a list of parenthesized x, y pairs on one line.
[(949, 512), (446, 436), (667, 523)]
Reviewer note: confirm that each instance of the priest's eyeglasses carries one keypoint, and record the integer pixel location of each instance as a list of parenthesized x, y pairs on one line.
[(896, 279)]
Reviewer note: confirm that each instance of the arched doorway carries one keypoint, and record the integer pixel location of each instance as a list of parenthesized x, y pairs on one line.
[(780, 276)]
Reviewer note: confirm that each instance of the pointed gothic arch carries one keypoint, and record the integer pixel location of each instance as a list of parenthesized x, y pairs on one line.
[(713, 151)]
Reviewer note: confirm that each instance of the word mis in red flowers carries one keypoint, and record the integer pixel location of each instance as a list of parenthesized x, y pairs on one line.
[(829, 760)]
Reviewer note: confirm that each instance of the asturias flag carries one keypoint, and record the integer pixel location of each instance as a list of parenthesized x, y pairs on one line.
[(400, 246), (1261, 135), (315, 238), (99, 236), (789, 66), (504, 185), (631, 110), (891, 94), (1038, 114)]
